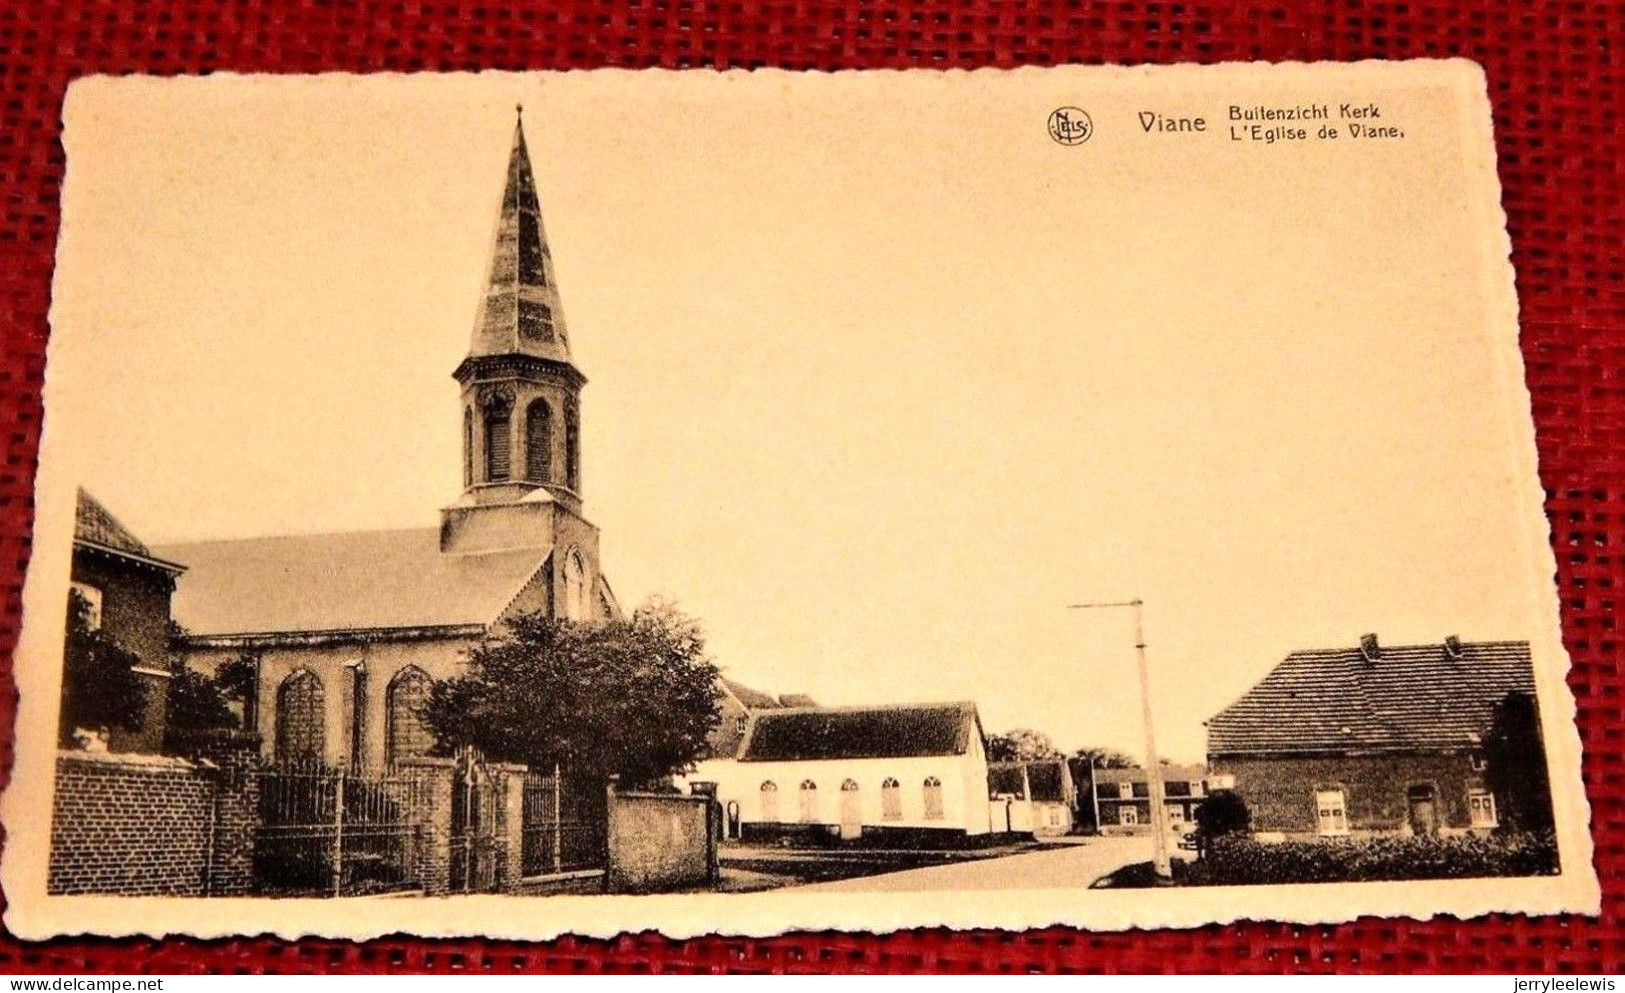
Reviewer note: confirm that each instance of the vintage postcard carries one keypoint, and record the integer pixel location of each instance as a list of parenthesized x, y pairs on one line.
[(519, 504)]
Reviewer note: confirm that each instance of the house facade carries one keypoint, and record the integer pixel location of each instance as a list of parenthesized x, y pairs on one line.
[(909, 774), (348, 630), (1123, 797), (1370, 739), (1039, 796), (127, 589)]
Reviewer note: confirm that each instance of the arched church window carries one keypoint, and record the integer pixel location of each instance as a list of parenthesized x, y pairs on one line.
[(301, 719), (539, 442), (891, 800), (498, 445), (572, 444), (933, 799), (770, 802), (575, 601), (409, 736), (468, 447), (809, 802)]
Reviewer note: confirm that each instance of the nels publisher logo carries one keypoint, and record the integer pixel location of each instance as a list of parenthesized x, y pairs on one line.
[(1070, 126)]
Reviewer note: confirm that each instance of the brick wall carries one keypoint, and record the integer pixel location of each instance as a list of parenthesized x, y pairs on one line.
[(134, 825), (1280, 791)]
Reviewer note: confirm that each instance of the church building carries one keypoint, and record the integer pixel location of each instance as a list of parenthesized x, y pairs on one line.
[(349, 629)]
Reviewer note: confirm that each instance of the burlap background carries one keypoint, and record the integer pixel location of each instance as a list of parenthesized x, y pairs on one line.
[(1556, 82)]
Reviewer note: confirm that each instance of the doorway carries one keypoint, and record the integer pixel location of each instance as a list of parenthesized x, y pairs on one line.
[(1423, 807)]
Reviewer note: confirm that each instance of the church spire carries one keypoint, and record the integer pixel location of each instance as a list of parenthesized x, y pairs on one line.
[(519, 313), (521, 394)]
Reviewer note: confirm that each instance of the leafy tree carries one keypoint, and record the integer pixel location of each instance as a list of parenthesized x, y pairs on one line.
[(1021, 745), (1105, 758), (630, 696), (1223, 812), (100, 690), (196, 706), (1515, 765)]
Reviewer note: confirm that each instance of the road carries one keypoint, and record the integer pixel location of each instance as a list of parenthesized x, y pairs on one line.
[(1072, 865)]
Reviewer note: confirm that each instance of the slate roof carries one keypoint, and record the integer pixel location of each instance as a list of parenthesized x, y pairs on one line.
[(519, 290), (1409, 697), (900, 731), (359, 580)]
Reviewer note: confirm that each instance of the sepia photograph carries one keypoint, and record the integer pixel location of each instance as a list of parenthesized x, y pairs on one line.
[(735, 502)]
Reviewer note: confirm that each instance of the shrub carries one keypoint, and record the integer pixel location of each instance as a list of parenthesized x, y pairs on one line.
[(1239, 861)]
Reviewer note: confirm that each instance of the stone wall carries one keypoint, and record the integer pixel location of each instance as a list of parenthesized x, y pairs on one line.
[(661, 841)]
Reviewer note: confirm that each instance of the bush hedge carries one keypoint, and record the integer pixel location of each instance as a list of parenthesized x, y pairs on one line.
[(1241, 861)]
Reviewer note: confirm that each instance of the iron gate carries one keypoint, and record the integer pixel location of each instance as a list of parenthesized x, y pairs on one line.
[(478, 841), (329, 831), (564, 825)]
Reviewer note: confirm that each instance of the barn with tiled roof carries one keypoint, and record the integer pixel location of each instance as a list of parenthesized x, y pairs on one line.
[(1371, 738)]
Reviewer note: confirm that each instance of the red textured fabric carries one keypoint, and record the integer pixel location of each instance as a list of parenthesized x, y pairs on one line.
[(1556, 83)]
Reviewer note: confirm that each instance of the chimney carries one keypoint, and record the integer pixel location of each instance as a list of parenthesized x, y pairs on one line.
[(1369, 649), (1452, 647)]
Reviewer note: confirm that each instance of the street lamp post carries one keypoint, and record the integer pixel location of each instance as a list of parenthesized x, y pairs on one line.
[(1159, 814)]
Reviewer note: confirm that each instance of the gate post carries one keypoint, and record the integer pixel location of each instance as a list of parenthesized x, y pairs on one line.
[(510, 825), (432, 813), (230, 869)]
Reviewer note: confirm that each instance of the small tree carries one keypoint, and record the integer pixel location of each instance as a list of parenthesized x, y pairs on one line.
[(100, 689), (1223, 812), (632, 696), (1515, 765), (1021, 745), (196, 706)]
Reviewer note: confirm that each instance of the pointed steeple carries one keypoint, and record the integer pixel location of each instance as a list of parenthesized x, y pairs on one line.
[(519, 313)]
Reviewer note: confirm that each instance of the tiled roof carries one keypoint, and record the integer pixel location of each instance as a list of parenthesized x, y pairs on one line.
[(341, 582), (1004, 779), (1409, 696), (1170, 774), (93, 522), (1044, 780), (754, 699), (902, 731)]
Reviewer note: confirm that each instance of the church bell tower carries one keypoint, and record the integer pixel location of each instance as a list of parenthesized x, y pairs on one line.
[(521, 393)]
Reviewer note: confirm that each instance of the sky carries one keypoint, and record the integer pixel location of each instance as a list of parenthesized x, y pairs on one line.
[(881, 378)]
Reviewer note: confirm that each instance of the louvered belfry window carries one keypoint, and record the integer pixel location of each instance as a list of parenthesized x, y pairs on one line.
[(498, 446), (468, 447), (539, 442)]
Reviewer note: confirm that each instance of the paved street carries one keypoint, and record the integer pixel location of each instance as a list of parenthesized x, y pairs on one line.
[(1076, 864)]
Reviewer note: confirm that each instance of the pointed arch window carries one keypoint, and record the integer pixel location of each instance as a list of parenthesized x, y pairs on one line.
[(539, 442), (770, 802), (498, 445), (301, 718), (468, 447), (572, 444), (409, 736), (933, 799)]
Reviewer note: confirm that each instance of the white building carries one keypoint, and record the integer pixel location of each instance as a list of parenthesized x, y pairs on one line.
[(911, 773)]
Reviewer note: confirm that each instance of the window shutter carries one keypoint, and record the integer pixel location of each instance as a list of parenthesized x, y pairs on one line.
[(498, 444)]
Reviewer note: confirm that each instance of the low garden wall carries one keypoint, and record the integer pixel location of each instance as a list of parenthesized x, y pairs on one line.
[(661, 841)]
